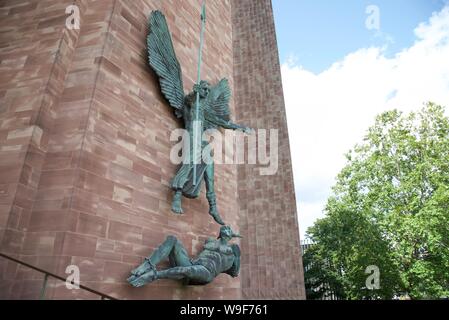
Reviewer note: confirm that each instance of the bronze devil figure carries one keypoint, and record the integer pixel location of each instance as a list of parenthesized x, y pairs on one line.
[(218, 256)]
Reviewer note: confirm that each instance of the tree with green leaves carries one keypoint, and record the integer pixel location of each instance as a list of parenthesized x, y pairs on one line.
[(390, 209)]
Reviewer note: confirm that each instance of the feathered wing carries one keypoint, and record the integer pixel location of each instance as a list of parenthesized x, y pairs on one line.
[(162, 59), (217, 107)]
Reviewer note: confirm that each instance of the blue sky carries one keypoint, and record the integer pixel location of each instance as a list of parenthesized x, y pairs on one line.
[(338, 75), (319, 32)]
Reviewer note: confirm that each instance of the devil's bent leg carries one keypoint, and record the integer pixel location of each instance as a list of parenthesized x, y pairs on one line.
[(179, 256), (161, 253)]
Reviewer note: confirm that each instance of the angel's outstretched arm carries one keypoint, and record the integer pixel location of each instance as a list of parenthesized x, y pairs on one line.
[(230, 125)]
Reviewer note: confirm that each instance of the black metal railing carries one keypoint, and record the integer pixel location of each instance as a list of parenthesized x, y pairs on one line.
[(48, 275), (322, 290)]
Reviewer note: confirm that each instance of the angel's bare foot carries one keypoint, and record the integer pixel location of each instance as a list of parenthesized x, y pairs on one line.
[(210, 195), (214, 213), (176, 208), (176, 203)]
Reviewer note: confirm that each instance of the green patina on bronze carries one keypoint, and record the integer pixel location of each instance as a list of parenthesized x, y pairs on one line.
[(218, 256), (206, 107)]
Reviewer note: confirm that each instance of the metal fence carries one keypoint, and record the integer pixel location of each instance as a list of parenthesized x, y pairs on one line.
[(327, 293)]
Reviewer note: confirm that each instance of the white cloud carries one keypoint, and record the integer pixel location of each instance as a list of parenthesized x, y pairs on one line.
[(329, 112)]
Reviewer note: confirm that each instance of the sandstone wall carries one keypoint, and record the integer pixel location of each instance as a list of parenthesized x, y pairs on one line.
[(84, 149)]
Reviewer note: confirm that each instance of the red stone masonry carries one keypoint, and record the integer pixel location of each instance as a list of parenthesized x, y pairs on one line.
[(84, 149)]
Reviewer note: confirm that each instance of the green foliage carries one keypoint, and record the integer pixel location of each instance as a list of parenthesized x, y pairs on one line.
[(390, 208)]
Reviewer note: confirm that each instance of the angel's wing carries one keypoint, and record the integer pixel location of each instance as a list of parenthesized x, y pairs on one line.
[(217, 105), (162, 59)]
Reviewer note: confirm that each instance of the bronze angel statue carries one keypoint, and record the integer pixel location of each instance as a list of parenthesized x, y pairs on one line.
[(208, 104)]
